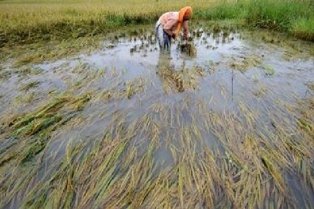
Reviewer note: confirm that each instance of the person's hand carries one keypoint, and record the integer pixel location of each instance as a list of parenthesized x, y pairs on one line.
[(187, 37)]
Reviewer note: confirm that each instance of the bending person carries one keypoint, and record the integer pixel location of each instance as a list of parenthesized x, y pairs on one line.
[(169, 25)]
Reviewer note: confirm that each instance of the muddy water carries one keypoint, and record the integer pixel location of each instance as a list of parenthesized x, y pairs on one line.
[(225, 69), (221, 62), (129, 79)]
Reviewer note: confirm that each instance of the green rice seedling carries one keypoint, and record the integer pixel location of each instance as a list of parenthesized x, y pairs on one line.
[(268, 70)]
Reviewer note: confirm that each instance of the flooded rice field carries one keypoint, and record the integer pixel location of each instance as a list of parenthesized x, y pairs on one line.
[(224, 122)]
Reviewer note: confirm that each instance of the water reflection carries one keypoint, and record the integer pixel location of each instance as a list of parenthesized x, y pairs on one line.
[(178, 79), (169, 77)]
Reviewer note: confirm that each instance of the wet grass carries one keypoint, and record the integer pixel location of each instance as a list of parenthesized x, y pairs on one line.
[(244, 63), (187, 79), (303, 28), (47, 116), (30, 85), (42, 50), (227, 159), (113, 173), (28, 137)]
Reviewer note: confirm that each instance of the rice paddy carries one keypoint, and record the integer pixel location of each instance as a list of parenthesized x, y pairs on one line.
[(93, 115), (125, 126), (43, 20)]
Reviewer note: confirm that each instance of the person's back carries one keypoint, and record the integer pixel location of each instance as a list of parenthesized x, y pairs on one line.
[(169, 21)]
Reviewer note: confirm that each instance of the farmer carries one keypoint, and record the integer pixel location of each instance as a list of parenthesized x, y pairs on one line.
[(169, 25)]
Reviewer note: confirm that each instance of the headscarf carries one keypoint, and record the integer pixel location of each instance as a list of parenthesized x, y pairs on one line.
[(184, 13)]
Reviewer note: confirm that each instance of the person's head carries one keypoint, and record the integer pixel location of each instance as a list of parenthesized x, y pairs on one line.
[(185, 14)]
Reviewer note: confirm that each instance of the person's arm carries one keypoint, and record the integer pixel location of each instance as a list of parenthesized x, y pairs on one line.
[(168, 26), (185, 30), (169, 32)]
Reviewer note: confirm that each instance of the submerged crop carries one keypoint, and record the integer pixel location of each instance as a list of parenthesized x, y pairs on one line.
[(229, 127)]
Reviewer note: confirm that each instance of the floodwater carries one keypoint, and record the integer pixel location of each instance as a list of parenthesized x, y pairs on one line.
[(240, 76), (224, 68)]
